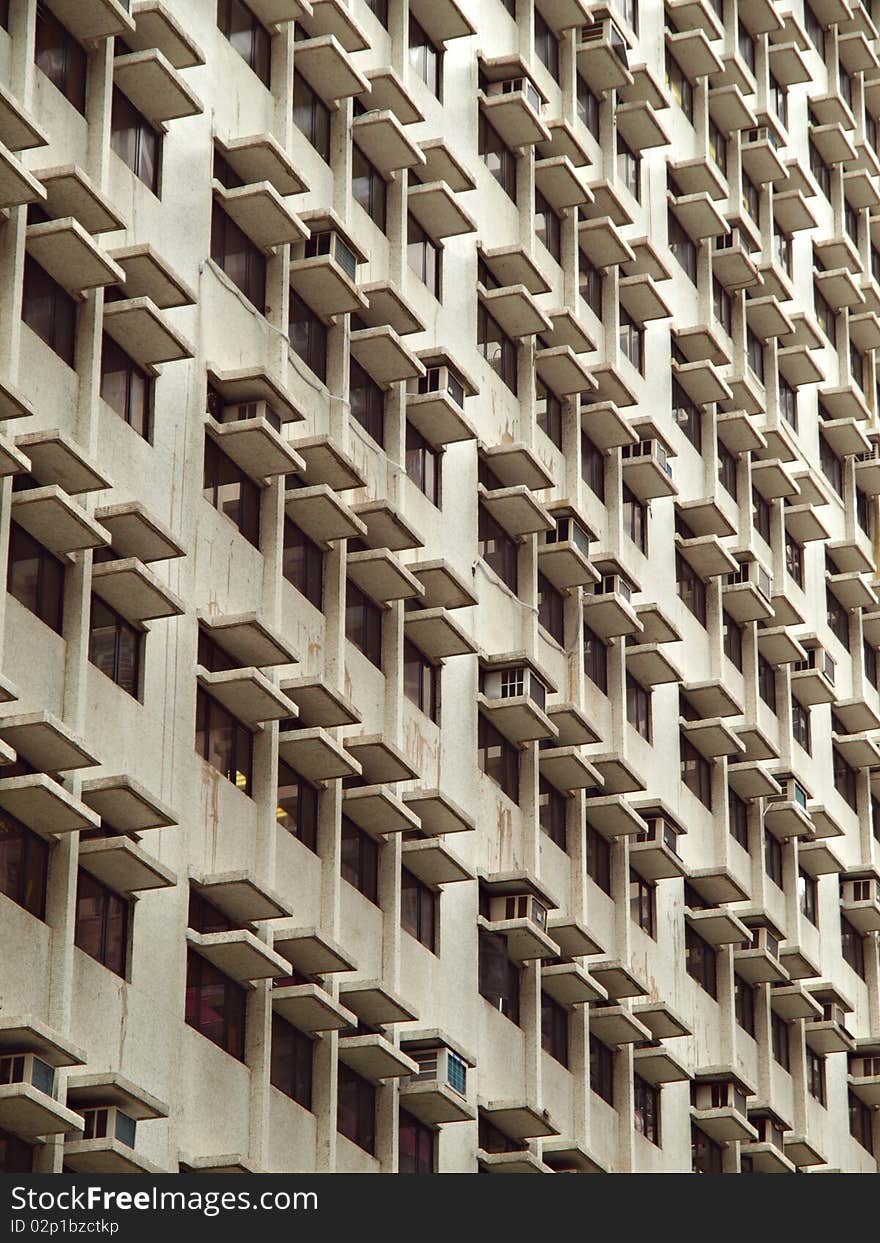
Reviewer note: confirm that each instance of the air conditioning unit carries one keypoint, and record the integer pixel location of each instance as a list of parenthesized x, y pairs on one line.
[(865, 890), (764, 939), (769, 1132), (865, 1067), (721, 1094), (28, 1068), (833, 1013), (612, 585), (763, 133), (660, 833), (792, 791), (442, 379), (108, 1122), (606, 31), (440, 1065), (818, 659), (751, 572), (648, 449), (514, 682), (328, 242), (569, 531), (236, 412), (516, 86), (519, 906)]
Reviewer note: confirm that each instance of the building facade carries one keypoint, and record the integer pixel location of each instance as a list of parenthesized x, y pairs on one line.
[(439, 693)]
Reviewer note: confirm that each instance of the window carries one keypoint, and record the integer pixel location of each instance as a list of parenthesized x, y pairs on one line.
[(861, 1122), (546, 46), (738, 819), (700, 959), (135, 141), (102, 920), (838, 618), (242, 261), (755, 354), (35, 577), (825, 314), (499, 977), (767, 683), (232, 492), (707, 1156), (49, 311), (595, 660), (367, 402), (311, 116), (635, 519), (497, 758), (646, 1109), (421, 681), (16, 1157), (643, 904), (308, 336), (718, 147), (423, 464), (683, 247), (215, 1005), (632, 340), (425, 59), (379, 9), (761, 516), (852, 947), (680, 86), (548, 226), (788, 403), (687, 415), (800, 725), (744, 1004), (691, 588), (115, 647), (731, 638), (548, 413), (773, 858), (794, 559), (248, 36), (551, 812), (696, 772), (498, 349), (424, 257), (24, 865), (296, 806), (590, 284), (587, 106), (551, 609), (816, 1076), (419, 910), (601, 1070), (4, 22), (61, 58), (359, 860), (554, 1029), (498, 157), (302, 563), (223, 741), (722, 307), (820, 170), (368, 187), (808, 897), (779, 1040), (498, 549), (638, 707), (363, 623), (844, 780), (727, 470), (356, 1109), (126, 388), (416, 1146), (291, 1066), (598, 859), (629, 168), (592, 467)]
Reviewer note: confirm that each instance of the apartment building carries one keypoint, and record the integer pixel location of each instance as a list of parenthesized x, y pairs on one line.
[(439, 702)]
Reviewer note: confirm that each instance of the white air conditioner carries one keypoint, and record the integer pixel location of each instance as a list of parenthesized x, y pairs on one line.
[(611, 585), (764, 939), (236, 412), (660, 833), (865, 890), (606, 31), (752, 572), (28, 1068), (721, 1094), (519, 906), (440, 1065), (440, 380), (570, 531), (329, 243), (792, 791), (514, 682), (515, 86), (818, 659), (763, 133), (107, 1122)]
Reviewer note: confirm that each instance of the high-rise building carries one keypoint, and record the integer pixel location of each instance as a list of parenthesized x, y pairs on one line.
[(439, 705)]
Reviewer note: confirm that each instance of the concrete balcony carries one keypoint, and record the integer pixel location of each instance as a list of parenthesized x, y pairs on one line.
[(520, 718), (603, 245), (67, 252), (238, 954), (374, 1004), (437, 634), (656, 856), (310, 1009), (254, 445), (378, 811), (792, 1001), (261, 213), (518, 1120), (323, 271), (433, 862), (568, 770), (329, 69), (437, 812), (385, 143), (374, 1058), (513, 107), (658, 1065), (436, 208), (384, 356), (616, 1026), (124, 805), (247, 693), (247, 639), (860, 899), (94, 19), (322, 515), (570, 985), (718, 925), (316, 755), (526, 938), (379, 574), (515, 310), (260, 158), (612, 816), (618, 980), (516, 509), (608, 610), (602, 56), (134, 591), (55, 521), (140, 329), (156, 27), (155, 87), (136, 533), (311, 952), (562, 371), (121, 865), (829, 1034)]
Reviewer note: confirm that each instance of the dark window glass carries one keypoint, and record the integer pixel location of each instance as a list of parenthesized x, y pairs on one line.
[(419, 910), (773, 858), (416, 1146), (599, 859), (680, 87), (554, 1029), (359, 860), (423, 464), (311, 116), (425, 59), (356, 1109), (590, 284), (767, 683), (794, 559), (248, 36), (498, 157), (646, 1109), (816, 1076), (232, 492), (297, 806), (861, 1122), (629, 168), (498, 349), (687, 415), (852, 947), (223, 741), (242, 261), (35, 577), (424, 257), (102, 919), (24, 864), (60, 57), (551, 608), (844, 780), (551, 812), (682, 246), (761, 516), (363, 623), (595, 660), (498, 549), (638, 707), (808, 896), (800, 725), (367, 402), (126, 388), (587, 106), (302, 563), (701, 960), (49, 311), (602, 1070), (632, 341), (731, 635), (548, 226), (16, 1157), (744, 1004), (707, 1156), (691, 588), (421, 681), (727, 470), (308, 336), (696, 772), (499, 977), (838, 618), (291, 1066), (546, 46), (635, 520), (216, 1006), (592, 467), (368, 187), (643, 904), (779, 1040), (115, 647), (738, 819), (135, 141), (498, 758)]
